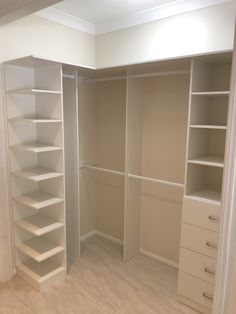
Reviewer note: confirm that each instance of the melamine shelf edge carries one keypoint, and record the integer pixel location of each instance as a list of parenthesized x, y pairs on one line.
[(30, 268), (39, 224), (33, 248), (37, 174), (38, 200), (33, 91)]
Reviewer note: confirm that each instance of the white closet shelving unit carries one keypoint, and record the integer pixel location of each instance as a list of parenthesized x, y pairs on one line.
[(36, 168), (142, 145), (208, 110)]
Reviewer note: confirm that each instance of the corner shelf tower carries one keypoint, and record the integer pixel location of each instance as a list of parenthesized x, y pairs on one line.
[(207, 127), (34, 113)]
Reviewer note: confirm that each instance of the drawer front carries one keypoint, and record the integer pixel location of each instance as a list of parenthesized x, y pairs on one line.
[(195, 290), (201, 214), (199, 240), (198, 265)]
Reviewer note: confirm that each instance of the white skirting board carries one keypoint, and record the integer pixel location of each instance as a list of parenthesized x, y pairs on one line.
[(159, 258), (101, 234), (141, 251)]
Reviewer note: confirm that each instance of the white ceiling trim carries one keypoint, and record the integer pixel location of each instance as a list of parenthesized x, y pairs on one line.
[(150, 15), (63, 18)]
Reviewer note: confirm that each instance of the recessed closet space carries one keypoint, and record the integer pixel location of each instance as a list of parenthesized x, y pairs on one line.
[(102, 120), (36, 165), (157, 114)]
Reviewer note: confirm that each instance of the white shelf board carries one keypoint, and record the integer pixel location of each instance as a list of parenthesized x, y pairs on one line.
[(40, 272), (34, 120), (208, 195), (36, 148), (208, 126), (39, 248), (38, 200), (33, 91), (37, 174), (211, 93), (214, 161), (39, 224)]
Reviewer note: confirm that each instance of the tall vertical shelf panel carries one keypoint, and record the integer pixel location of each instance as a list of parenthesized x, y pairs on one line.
[(207, 128), (34, 113)]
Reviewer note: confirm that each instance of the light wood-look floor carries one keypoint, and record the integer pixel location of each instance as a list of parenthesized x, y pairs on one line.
[(99, 283)]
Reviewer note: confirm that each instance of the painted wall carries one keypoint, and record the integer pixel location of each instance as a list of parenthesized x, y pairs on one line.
[(36, 35), (201, 31)]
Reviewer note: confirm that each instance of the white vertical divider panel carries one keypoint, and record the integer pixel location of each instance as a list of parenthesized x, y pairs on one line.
[(188, 124), (70, 104), (6, 252), (134, 107)]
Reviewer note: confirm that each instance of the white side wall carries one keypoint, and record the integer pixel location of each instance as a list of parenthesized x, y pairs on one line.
[(201, 31), (38, 36)]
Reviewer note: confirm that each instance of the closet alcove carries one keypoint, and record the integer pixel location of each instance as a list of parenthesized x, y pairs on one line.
[(134, 154)]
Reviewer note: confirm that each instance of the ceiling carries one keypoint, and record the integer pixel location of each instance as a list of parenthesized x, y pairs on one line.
[(102, 16)]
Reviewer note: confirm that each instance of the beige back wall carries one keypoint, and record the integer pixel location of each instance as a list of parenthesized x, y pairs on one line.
[(200, 31)]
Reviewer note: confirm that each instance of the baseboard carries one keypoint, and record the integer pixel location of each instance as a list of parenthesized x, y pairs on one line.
[(116, 240), (159, 258), (101, 234), (87, 235), (108, 237)]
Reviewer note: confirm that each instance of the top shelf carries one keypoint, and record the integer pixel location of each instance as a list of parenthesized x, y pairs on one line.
[(211, 94), (33, 91)]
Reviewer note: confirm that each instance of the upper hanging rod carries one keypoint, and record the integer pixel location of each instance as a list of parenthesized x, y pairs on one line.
[(70, 76), (133, 176), (103, 169), (162, 73)]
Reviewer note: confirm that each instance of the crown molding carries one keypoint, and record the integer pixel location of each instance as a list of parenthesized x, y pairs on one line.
[(175, 7), (66, 19)]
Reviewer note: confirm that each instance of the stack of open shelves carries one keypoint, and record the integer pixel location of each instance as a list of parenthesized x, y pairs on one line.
[(208, 112), (35, 138), (207, 129)]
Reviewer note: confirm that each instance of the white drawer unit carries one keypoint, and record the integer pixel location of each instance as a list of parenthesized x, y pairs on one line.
[(195, 291), (201, 214), (198, 265)]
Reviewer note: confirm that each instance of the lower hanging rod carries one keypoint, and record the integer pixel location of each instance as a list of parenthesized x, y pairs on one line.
[(133, 176)]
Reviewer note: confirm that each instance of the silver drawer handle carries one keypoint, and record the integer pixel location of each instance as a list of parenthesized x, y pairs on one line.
[(212, 218), (207, 296), (209, 271), (211, 245)]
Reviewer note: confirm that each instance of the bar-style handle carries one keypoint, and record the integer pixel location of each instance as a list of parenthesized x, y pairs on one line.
[(209, 271), (211, 245), (212, 218), (207, 296)]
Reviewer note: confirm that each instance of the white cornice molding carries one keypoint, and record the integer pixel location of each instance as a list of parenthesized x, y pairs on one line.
[(66, 19), (175, 7)]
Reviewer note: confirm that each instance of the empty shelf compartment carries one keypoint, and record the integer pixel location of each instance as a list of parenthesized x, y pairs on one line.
[(39, 224), (39, 248), (38, 200), (37, 174), (214, 161), (40, 274), (212, 196)]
